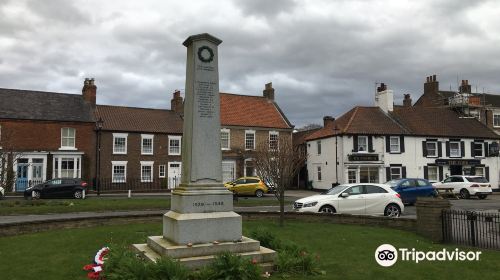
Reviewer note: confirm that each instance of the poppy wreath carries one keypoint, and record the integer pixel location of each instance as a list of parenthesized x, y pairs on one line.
[(203, 59), (95, 269)]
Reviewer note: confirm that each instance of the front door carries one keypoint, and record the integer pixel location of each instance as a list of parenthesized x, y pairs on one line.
[(22, 175), (174, 174), (456, 170)]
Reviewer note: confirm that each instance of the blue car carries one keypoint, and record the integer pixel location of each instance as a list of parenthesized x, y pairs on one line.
[(411, 188)]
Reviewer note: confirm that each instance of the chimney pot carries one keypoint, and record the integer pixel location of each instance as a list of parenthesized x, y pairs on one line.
[(434, 77), (177, 104), (268, 91), (89, 91), (407, 100), (328, 121)]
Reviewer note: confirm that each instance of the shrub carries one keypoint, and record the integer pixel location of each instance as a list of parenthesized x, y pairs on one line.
[(123, 264), (229, 266)]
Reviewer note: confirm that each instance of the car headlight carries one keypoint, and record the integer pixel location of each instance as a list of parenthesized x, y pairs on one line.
[(310, 204)]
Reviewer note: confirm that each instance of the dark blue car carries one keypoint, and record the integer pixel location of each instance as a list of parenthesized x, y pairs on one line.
[(411, 188)]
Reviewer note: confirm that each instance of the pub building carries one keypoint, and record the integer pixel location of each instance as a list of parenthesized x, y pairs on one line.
[(375, 144)]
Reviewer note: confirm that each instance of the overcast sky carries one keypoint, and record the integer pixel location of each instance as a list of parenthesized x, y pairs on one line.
[(323, 57)]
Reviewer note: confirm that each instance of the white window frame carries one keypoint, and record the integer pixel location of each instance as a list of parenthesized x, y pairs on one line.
[(318, 147), (160, 171), (350, 179), (366, 144), (120, 135), (174, 138), (147, 164), (483, 173), (398, 148), (228, 131), (144, 137), (319, 175), (118, 163), (400, 170), (496, 120), (68, 137), (482, 149), (248, 132), (459, 149), (232, 165), (429, 173), (435, 148), (277, 134)]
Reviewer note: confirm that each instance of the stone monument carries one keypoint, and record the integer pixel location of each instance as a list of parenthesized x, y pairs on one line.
[(201, 222)]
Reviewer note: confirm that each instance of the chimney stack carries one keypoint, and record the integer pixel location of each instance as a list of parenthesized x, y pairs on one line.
[(328, 121), (384, 98), (177, 104), (431, 85), (268, 91), (465, 87), (89, 91), (407, 100)]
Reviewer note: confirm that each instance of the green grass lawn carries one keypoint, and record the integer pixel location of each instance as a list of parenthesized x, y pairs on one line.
[(93, 204), (346, 252)]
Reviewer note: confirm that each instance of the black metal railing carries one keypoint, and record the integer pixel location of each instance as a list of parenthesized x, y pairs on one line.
[(472, 228), (107, 185)]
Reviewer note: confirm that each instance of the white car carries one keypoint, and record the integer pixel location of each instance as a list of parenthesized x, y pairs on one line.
[(366, 199), (466, 186), (2, 193)]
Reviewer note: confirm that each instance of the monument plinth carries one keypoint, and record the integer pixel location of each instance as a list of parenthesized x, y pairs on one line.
[(201, 222)]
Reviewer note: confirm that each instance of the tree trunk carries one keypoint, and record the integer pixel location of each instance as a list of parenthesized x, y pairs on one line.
[(282, 208)]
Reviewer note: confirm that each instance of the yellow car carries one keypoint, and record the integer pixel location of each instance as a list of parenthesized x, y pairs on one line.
[(248, 186)]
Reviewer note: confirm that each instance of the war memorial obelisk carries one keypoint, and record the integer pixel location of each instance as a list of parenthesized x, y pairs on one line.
[(201, 222)]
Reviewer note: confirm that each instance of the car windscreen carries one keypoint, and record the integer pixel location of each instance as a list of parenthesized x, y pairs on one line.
[(335, 190), (477, 179)]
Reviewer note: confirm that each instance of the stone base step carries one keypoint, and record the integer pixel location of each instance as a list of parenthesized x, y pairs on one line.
[(165, 247), (264, 257)]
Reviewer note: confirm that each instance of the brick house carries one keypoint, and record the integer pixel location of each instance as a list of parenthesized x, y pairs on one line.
[(139, 146), (384, 142), (247, 121), (47, 134)]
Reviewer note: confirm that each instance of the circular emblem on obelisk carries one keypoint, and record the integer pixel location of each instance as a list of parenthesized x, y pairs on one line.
[(205, 54)]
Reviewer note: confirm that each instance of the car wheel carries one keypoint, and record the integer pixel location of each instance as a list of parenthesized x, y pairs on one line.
[(78, 194), (36, 194), (482, 196), (392, 210), (464, 194), (327, 209), (259, 193)]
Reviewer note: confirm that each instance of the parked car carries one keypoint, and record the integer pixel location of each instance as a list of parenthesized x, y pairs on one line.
[(2, 193), (59, 187), (411, 188), (466, 186), (370, 199), (248, 186)]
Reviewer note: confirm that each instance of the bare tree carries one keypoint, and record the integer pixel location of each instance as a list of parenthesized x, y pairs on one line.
[(276, 162), (8, 157)]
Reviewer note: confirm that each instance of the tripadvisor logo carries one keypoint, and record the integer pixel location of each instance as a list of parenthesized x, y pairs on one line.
[(387, 255)]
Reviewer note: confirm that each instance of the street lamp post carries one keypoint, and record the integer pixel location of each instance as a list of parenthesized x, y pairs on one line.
[(335, 131), (98, 125)]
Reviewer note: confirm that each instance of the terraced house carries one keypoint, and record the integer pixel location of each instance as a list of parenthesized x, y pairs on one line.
[(45, 135), (384, 142), (141, 146)]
